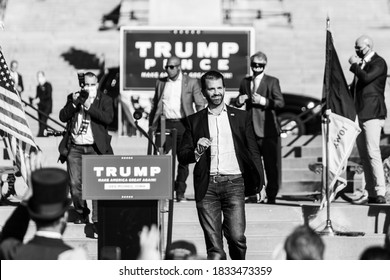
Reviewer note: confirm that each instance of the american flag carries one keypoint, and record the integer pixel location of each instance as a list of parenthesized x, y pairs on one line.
[(13, 124)]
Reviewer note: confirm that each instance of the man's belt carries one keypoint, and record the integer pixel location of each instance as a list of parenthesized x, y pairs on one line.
[(223, 178), (173, 120), (82, 145)]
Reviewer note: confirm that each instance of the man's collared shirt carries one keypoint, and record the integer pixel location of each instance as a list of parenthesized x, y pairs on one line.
[(171, 98), (223, 154), (49, 234), (256, 82), (367, 59), (83, 119), (15, 77)]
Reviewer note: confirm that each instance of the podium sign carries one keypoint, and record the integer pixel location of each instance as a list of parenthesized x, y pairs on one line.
[(109, 177)]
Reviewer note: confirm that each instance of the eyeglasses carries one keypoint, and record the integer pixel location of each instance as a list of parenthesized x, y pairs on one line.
[(171, 67), (257, 65)]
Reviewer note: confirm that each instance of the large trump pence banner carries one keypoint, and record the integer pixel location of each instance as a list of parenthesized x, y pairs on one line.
[(144, 53)]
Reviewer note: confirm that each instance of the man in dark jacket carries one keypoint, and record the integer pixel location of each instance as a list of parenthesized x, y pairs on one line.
[(220, 140), (43, 101), (175, 98), (87, 114), (262, 95), (368, 88)]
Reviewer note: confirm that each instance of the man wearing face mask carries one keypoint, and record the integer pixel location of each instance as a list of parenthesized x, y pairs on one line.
[(262, 95), (44, 101), (174, 98), (87, 118), (368, 88)]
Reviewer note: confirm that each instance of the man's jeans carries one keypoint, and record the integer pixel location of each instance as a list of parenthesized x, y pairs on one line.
[(74, 169), (369, 150), (225, 198)]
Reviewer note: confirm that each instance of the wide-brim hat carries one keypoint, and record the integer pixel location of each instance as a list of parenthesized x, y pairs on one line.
[(50, 190)]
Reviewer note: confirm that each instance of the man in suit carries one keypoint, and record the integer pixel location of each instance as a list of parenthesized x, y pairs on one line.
[(174, 98), (47, 207), (43, 100), (87, 114), (262, 95), (220, 140), (368, 88), (16, 76)]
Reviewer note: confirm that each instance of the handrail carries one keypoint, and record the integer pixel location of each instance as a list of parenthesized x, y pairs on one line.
[(40, 112), (299, 117)]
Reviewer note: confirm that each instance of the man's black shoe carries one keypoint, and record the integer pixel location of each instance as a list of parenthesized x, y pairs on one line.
[(380, 199), (271, 201), (180, 197), (81, 219), (251, 199)]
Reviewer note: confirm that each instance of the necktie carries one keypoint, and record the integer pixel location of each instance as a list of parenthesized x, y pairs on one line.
[(257, 113)]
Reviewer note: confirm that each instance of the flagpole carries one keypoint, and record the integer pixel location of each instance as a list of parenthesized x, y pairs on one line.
[(328, 230), (331, 58)]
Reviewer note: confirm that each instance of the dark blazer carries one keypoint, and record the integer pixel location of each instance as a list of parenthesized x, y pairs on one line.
[(369, 90), (38, 248), (265, 121), (247, 153), (190, 94), (102, 114), (19, 86), (44, 93)]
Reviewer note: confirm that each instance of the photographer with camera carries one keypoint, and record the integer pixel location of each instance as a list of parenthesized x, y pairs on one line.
[(87, 113)]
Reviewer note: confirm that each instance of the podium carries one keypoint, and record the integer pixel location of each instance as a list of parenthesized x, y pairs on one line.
[(129, 191)]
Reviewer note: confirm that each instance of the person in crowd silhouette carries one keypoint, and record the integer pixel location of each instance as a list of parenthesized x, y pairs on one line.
[(48, 208), (304, 244)]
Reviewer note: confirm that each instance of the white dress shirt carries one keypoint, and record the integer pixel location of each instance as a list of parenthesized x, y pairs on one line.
[(171, 98), (223, 154)]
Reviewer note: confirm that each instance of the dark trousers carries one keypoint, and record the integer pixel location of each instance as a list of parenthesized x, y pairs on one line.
[(42, 124), (227, 200), (182, 170), (270, 151), (74, 164)]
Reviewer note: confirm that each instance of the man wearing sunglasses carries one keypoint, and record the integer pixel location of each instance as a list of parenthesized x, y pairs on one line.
[(262, 95), (175, 97)]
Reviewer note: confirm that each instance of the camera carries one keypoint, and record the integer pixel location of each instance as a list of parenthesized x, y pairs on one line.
[(81, 77), (83, 94)]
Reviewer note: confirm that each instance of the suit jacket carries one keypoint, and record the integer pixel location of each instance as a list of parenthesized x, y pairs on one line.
[(264, 118), (44, 93), (19, 86), (102, 114), (247, 152), (190, 94), (38, 248), (369, 90)]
